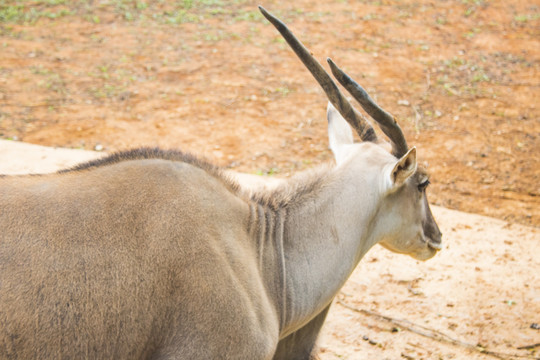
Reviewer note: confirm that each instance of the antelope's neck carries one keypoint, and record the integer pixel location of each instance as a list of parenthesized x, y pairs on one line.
[(267, 228), (307, 250)]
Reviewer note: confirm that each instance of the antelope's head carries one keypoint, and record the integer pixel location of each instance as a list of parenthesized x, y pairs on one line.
[(404, 223)]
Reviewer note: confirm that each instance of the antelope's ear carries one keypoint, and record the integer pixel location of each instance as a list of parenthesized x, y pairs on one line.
[(339, 133), (404, 168)]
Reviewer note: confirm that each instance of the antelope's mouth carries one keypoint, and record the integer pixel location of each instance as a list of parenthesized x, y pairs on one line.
[(434, 245)]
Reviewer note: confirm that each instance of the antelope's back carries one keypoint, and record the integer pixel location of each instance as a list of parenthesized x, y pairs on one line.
[(97, 263)]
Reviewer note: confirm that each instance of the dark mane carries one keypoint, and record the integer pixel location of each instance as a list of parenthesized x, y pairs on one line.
[(300, 187), (146, 153), (157, 153)]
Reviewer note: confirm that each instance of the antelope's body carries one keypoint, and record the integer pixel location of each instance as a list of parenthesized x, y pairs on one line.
[(157, 255), (130, 260)]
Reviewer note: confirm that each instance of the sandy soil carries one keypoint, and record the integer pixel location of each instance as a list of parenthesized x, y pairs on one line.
[(214, 78), (482, 290)]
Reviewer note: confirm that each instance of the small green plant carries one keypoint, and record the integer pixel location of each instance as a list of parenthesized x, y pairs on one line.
[(441, 20), (11, 13), (187, 4), (523, 18), (480, 76), (469, 11), (248, 16), (455, 62), (30, 12), (282, 90), (270, 172)]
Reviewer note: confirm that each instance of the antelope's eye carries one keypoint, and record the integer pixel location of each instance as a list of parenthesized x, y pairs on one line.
[(423, 185)]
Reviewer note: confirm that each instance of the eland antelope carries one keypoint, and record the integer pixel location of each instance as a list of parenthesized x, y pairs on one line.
[(152, 254)]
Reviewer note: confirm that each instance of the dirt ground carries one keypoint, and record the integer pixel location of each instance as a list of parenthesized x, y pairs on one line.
[(214, 78)]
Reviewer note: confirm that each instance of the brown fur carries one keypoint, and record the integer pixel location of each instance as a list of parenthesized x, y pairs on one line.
[(97, 262)]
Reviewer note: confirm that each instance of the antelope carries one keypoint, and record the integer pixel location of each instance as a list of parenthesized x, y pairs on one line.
[(154, 254)]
